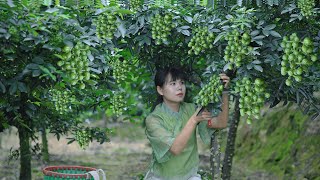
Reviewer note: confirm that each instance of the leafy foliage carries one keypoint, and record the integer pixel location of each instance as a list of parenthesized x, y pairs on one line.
[(61, 47)]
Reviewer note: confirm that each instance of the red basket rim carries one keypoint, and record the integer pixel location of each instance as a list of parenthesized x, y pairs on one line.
[(48, 171)]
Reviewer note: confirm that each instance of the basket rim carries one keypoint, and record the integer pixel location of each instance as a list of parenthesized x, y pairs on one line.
[(48, 171)]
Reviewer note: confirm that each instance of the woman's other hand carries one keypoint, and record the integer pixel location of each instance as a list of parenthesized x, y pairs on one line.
[(225, 79), (203, 116)]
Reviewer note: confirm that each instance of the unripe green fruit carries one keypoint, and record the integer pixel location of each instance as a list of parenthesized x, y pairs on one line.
[(288, 82), (252, 96), (297, 57), (210, 92)]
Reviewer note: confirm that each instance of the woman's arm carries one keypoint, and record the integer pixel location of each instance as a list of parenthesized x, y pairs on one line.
[(183, 137), (221, 120)]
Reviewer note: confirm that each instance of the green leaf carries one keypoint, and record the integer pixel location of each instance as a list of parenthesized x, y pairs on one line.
[(71, 140), (32, 66), (2, 87), (3, 31), (124, 11), (10, 3), (269, 27), (91, 58), (258, 68), (255, 32), (36, 73), (46, 71), (13, 88), (122, 30), (186, 32), (258, 37), (188, 19), (218, 38), (256, 62), (22, 87), (51, 10), (266, 32), (59, 56), (275, 34)]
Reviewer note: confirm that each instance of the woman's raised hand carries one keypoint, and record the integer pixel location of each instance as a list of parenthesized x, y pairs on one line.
[(225, 79), (203, 116)]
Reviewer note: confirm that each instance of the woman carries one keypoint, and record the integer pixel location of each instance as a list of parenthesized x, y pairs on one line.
[(171, 128)]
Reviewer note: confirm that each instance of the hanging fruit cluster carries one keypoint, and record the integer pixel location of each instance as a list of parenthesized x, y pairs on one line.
[(118, 103), (201, 41), (106, 25), (83, 138), (297, 58), (75, 64), (306, 7), (252, 96), (62, 100), (120, 69), (211, 92), (236, 52), (135, 4), (161, 27)]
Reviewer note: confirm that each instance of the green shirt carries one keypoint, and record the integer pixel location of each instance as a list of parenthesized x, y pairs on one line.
[(162, 127)]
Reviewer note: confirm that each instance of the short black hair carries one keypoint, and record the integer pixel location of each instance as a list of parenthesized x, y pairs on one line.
[(162, 74)]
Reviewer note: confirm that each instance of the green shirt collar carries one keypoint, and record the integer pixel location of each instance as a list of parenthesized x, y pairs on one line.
[(169, 111)]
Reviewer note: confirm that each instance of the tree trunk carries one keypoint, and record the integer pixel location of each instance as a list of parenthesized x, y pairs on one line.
[(25, 153), (229, 153), (215, 155), (44, 149)]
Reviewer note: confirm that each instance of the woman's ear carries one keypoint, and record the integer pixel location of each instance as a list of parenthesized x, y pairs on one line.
[(159, 89)]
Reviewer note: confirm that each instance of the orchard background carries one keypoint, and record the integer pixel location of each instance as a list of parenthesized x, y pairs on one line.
[(64, 63)]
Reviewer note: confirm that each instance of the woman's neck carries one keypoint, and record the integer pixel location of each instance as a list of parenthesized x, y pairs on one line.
[(174, 106)]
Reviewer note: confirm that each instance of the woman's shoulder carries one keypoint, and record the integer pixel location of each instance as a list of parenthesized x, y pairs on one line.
[(189, 106), (153, 116)]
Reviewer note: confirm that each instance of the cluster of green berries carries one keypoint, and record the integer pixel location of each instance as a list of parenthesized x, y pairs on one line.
[(306, 7), (120, 69), (161, 27), (297, 58), (83, 138), (201, 41), (211, 92), (106, 26), (135, 4), (62, 100), (118, 103), (75, 64), (236, 52), (252, 97)]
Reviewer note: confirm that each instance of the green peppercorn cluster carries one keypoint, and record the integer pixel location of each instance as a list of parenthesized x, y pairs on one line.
[(252, 96), (120, 69), (62, 100), (236, 52), (135, 4), (75, 64), (211, 92), (83, 138), (201, 41), (118, 103), (306, 7), (161, 27), (106, 26), (297, 58)]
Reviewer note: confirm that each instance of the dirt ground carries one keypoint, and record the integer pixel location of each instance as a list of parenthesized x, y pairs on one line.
[(126, 157)]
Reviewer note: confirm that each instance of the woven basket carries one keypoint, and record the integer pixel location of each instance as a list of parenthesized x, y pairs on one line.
[(67, 172)]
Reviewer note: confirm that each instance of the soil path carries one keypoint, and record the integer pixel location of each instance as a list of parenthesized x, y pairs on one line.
[(126, 157)]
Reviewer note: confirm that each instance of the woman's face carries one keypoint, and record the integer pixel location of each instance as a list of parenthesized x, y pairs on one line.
[(172, 91)]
